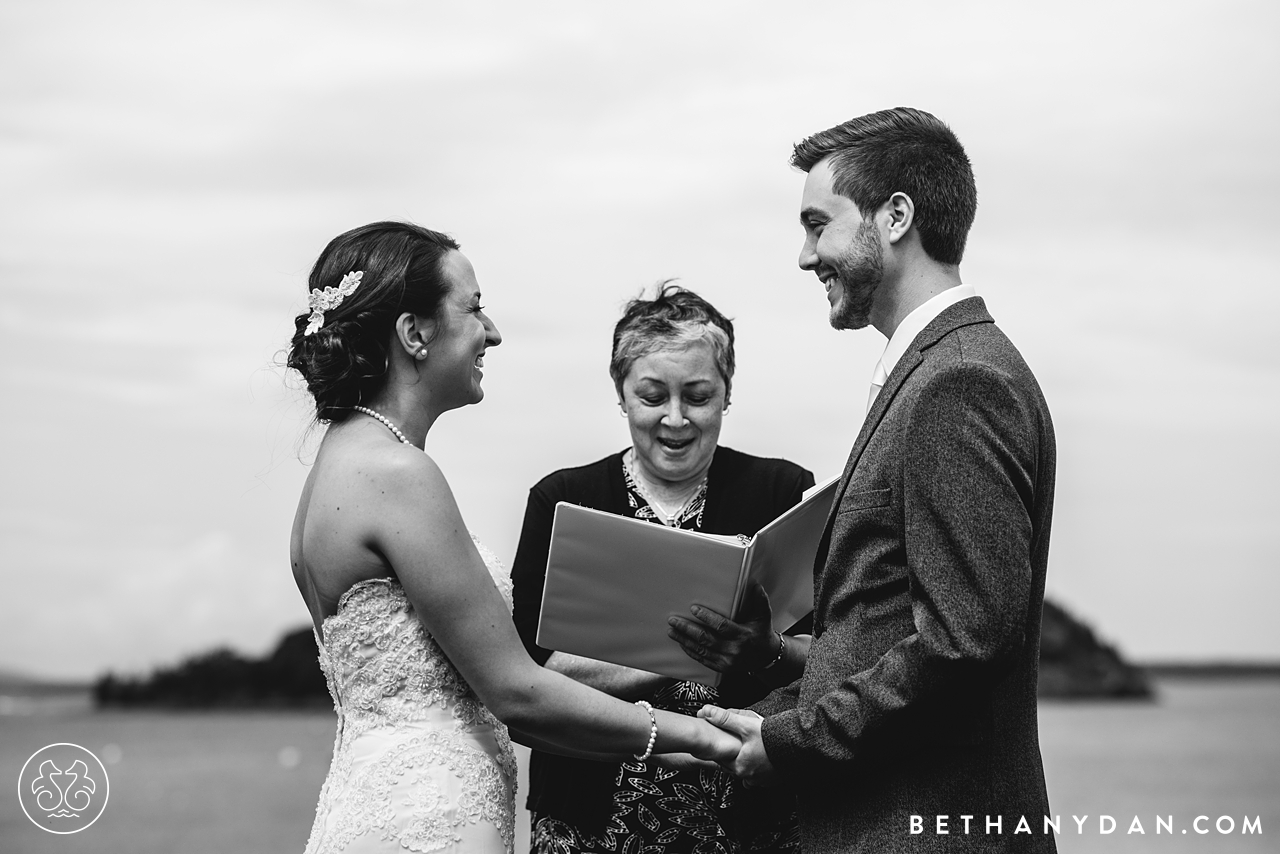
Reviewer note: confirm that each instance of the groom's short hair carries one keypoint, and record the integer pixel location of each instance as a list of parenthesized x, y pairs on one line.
[(902, 150)]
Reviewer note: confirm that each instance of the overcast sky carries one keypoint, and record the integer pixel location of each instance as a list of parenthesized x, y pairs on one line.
[(169, 172)]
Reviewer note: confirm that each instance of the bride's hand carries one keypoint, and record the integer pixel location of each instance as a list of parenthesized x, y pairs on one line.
[(715, 748), (751, 763), (718, 746), (684, 762), (694, 737)]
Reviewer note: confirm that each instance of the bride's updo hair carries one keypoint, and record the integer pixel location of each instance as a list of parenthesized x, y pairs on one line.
[(345, 361)]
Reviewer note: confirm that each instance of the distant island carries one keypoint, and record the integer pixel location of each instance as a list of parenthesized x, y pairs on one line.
[(1073, 664), (289, 677)]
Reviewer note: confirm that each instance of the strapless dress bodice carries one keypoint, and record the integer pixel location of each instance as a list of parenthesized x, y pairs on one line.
[(419, 762)]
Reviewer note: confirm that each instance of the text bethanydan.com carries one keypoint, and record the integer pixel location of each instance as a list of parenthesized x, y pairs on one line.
[(998, 825)]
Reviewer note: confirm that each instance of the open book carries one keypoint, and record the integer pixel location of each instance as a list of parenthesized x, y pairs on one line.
[(613, 581)]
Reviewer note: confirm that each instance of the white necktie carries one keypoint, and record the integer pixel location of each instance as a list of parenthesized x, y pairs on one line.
[(878, 376)]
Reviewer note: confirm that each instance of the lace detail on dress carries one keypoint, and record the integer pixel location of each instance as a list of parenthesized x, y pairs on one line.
[(441, 763)]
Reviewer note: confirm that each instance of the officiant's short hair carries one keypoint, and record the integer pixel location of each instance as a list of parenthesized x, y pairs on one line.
[(902, 150), (673, 319)]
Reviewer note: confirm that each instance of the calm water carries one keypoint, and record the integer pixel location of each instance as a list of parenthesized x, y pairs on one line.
[(247, 782)]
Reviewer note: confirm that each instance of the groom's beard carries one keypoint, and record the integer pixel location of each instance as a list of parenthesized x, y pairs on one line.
[(860, 268)]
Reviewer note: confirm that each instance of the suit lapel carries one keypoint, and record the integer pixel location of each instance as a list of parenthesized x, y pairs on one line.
[(908, 363), (964, 313)]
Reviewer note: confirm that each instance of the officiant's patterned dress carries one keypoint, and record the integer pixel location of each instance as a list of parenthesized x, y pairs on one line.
[(584, 806)]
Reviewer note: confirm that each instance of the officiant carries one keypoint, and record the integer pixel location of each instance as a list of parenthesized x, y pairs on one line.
[(672, 367)]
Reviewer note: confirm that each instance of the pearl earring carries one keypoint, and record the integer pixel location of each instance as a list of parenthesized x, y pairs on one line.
[(422, 354)]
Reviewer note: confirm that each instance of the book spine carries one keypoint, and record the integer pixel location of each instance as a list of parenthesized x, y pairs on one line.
[(744, 576)]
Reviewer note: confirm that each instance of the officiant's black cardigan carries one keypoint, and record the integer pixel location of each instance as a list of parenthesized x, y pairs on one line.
[(744, 493)]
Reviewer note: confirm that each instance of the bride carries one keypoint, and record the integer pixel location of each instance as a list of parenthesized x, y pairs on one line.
[(412, 615)]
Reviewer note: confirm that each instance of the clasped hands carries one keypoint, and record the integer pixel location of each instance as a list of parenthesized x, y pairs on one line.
[(734, 745), (727, 738), (730, 646)]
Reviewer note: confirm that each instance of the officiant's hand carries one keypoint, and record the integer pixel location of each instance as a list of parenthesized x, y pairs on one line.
[(752, 764), (728, 646)]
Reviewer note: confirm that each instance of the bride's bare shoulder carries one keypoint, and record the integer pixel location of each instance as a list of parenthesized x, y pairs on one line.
[(370, 461), (387, 487)]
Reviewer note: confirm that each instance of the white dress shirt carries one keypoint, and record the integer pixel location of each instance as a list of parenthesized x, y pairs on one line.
[(911, 326)]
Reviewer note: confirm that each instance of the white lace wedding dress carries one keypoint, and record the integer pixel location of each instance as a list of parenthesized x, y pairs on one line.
[(419, 763)]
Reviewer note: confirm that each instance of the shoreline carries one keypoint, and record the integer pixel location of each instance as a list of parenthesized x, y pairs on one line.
[(71, 698)]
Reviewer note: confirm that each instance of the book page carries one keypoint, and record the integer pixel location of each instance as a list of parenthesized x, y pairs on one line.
[(781, 556), (612, 582)]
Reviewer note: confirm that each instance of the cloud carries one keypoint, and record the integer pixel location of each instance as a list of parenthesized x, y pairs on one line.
[(177, 168)]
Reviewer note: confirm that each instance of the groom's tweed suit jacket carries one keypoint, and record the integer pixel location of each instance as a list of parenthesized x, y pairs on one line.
[(919, 696)]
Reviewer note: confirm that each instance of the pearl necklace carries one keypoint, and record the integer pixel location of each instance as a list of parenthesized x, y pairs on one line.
[(385, 420)]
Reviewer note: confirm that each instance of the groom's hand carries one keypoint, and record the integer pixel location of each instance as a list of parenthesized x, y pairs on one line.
[(752, 763)]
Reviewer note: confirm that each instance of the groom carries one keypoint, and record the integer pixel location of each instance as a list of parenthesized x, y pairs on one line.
[(913, 727)]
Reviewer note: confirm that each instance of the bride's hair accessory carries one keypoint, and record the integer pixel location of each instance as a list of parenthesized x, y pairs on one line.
[(320, 301), (653, 730), (341, 336)]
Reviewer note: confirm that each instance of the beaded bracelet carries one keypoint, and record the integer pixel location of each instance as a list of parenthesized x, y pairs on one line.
[(653, 730), (782, 650)]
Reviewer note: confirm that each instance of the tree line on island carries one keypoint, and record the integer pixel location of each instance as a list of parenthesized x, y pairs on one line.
[(1074, 663)]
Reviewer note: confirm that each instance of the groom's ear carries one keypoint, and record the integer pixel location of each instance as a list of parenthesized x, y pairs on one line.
[(414, 334), (899, 214)]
